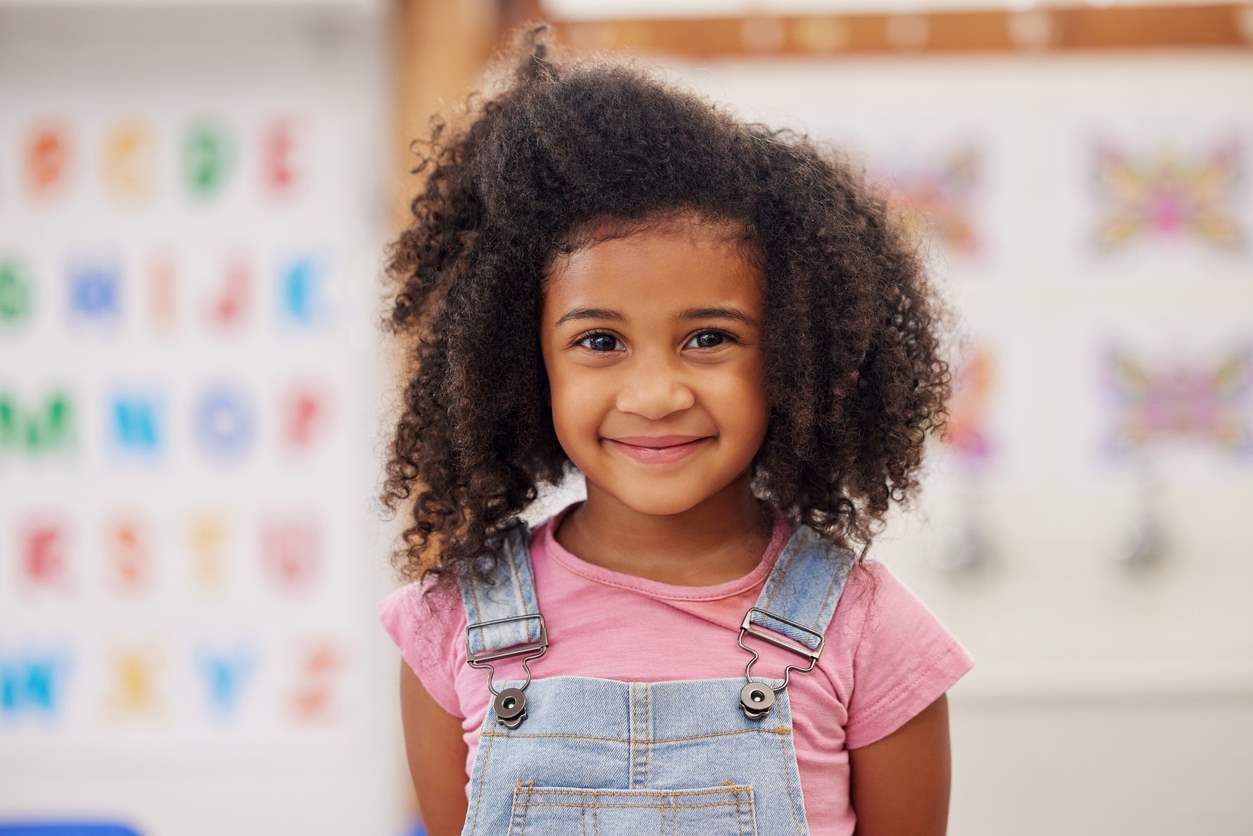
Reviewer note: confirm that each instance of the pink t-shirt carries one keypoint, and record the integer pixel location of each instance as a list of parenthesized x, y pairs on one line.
[(886, 657)]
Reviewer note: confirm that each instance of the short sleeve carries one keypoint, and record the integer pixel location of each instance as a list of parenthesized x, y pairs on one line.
[(905, 659), (425, 629)]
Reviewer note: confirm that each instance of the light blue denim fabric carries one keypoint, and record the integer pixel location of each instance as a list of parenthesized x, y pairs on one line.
[(603, 756)]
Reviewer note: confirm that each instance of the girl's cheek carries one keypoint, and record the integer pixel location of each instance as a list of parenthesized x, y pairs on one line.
[(572, 412)]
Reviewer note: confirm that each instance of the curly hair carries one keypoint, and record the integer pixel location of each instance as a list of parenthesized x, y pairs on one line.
[(851, 350)]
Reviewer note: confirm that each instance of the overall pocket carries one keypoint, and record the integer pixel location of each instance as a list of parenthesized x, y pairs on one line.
[(725, 810)]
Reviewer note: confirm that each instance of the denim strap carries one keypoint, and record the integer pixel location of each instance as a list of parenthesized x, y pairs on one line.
[(511, 594), (803, 586)]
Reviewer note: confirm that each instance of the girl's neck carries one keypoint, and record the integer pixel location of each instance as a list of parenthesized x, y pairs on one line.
[(717, 540)]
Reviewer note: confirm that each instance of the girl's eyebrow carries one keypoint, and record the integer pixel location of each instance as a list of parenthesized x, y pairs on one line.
[(690, 313)]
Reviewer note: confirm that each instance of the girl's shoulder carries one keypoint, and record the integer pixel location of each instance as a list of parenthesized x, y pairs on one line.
[(895, 655), (427, 623), (426, 620), (424, 605), (876, 600), (430, 605)]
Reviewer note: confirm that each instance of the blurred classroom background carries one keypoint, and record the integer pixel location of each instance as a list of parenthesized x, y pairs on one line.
[(194, 200)]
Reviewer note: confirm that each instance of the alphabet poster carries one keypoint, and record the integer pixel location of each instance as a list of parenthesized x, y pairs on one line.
[(187, 282)]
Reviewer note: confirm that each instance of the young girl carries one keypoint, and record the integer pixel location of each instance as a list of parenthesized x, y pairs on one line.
[(715, 324)]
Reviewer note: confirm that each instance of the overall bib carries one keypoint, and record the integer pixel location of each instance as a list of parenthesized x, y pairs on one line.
[(583, 755)]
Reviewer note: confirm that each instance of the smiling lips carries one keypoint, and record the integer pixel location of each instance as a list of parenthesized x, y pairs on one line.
[(657, 440), (658, 449)]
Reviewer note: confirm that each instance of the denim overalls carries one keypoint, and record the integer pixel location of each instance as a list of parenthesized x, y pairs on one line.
[(583, 755)]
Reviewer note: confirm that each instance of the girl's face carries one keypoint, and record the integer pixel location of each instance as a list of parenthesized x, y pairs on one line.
[(653, 335)]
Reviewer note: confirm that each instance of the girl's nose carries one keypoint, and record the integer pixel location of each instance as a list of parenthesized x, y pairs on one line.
[(653, 391)]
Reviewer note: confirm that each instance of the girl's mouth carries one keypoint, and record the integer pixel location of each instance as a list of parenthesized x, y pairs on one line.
[(658, 455)]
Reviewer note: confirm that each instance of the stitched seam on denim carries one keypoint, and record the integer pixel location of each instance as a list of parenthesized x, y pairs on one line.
[(739, 820), (661, 820), (633, 752), (513, 812), (781, 568), (482, 773), (638, 735), (519, 805), (583, 819), (526, 807), (516, 575), (728, 789), (662, 802), (570, 736), (635, 735), (630, 732), (782, 730), (630, 736), (478, 609), (773, 623), (791, 792), (648, 720), (836, 577), (826, 599)]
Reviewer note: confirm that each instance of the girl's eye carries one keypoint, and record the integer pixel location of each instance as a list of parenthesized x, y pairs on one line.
[(605, 341), (721, 335)]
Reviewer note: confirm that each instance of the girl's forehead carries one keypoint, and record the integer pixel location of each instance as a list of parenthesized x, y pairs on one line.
[(652, 255), (655, 269), (677, 225), (678, 222), (617, 248)]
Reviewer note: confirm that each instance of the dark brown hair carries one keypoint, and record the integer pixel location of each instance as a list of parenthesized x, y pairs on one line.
[(854, 374)]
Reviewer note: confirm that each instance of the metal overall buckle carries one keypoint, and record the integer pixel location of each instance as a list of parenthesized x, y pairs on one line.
[(510, 703), (757, 698)]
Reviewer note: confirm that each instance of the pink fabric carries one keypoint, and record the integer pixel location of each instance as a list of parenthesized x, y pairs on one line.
[(886, 656)]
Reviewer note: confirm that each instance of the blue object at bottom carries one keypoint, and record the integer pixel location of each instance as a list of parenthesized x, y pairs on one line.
[(65, 828)]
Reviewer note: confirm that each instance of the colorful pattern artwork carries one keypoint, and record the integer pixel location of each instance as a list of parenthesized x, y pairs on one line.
[(1199, 404), (966, 434), (1167, 196), (15, 291), (182, 573), (938, 201)]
